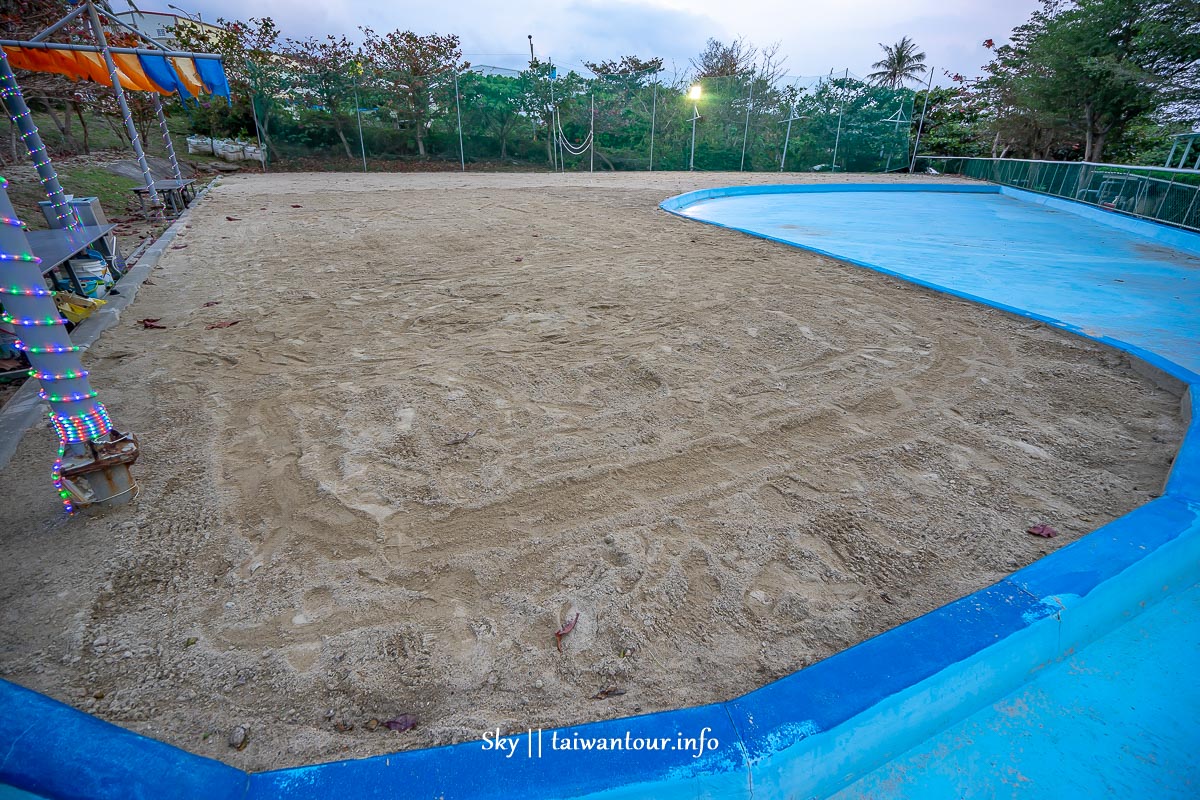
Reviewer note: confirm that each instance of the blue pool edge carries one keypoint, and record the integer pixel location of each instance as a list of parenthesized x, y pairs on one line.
[(807, 734)]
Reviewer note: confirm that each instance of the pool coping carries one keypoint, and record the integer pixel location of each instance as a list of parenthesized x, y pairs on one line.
[(804, 735)]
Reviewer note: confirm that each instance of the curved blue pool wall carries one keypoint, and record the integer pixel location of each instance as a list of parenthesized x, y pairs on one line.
[(848, 718)]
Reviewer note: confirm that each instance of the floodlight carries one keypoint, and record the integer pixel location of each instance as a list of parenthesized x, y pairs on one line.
[(694, 92)]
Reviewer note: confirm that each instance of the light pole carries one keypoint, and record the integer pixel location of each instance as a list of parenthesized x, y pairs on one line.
[(198, 18), (694, 95)]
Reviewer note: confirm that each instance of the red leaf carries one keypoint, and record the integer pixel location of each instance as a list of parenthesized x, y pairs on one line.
[(404, 722), (211, 303), (564, 630), (296, 206), (226, 324), (178, 246), (150, 323), (233, 219), (1043, 530)]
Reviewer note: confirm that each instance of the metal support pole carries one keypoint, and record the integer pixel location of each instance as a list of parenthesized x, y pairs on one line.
[(1186, 150), (592, 164), (555, 155), (692, 157), (10, 93), (98, 30), (921, 125), (1195, 195), (262, 150), (166, 134), (362, 147), (462, 153), (555, 158), (91, 48), (653, 116), (558, 140), (93, 459), (841, 113), (1171, 155), (746, 131), (58, 25), (787, 138)]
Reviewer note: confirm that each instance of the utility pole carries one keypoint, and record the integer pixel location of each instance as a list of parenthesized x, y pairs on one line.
[(532, 57)]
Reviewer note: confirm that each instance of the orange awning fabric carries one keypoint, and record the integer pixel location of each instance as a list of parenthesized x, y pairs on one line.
[(132, 75), (185, 68), (81, 65)]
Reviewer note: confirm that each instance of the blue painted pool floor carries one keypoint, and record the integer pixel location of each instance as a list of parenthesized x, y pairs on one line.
[(1117, 719), (1056, 264)]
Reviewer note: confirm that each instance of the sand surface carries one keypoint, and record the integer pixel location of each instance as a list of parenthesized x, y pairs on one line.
[(729, 457)]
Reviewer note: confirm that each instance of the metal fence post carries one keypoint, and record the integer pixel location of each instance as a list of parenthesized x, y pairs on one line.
[(462, 153)]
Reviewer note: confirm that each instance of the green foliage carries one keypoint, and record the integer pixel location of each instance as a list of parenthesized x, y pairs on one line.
[(413, 71), (1081, 73), (257, 74)]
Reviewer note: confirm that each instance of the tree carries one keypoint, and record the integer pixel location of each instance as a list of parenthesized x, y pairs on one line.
[(493, 104), (1090, 68), (901, 62), (255, 67), (60, 97), (718, 60), (639, 69), (411, 68), (326, 71)]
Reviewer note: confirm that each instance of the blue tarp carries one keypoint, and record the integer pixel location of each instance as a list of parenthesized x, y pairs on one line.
[(212, 72), (158, 70)]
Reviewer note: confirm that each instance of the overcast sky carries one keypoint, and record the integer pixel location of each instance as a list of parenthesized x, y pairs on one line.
[(815, 36)]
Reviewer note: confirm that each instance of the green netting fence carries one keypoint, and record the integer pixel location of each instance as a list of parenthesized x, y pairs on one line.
[(488, 117), (1155, 193)]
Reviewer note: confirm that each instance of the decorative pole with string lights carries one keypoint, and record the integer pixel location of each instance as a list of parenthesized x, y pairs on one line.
[(92, 466)]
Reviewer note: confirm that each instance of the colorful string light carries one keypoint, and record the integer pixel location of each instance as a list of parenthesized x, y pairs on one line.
[(75, 428), (9, 90), (77, 397), (56, 476), (66, 376), (72, 428), (30, 322), (55, 349), (18, 291)]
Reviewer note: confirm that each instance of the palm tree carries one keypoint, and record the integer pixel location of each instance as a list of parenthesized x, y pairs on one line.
[(901, 62)]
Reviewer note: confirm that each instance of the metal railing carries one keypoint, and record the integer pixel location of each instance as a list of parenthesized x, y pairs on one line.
[(1161, 194)]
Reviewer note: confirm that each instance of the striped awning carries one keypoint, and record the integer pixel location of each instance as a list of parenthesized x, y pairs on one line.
[(139, 73)]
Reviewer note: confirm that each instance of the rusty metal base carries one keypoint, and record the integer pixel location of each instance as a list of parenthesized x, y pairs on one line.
[(100, 475)]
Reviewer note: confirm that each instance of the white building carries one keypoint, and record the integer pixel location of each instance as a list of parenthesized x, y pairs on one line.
[(157, 25)]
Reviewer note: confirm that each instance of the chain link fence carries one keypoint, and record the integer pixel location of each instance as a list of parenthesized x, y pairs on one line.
[(1155, 193), (494, 118)]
